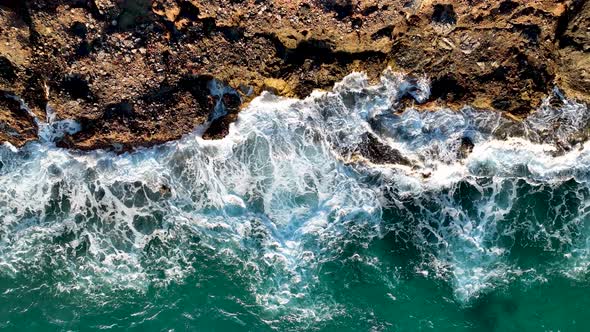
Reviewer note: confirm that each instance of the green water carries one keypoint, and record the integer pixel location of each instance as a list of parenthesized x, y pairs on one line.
[(361, 298), (365, 282)]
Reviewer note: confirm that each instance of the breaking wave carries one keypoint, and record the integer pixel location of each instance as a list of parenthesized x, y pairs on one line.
[(302, 189)]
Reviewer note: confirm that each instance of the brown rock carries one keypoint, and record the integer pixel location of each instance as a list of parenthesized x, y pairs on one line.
[(574, 63), (152, 60)]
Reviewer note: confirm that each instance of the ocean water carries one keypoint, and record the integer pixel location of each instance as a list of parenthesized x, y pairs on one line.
[(340, 212)]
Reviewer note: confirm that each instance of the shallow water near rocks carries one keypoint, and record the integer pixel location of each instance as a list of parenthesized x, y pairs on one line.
[(292, 222)]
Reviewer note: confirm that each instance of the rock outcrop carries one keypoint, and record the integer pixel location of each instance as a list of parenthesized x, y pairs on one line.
[(138, 72)]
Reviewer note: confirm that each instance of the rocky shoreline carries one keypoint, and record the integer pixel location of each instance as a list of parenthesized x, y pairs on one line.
[(140, 72)]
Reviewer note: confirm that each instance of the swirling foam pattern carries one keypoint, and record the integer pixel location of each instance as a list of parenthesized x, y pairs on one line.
[(288, 223)]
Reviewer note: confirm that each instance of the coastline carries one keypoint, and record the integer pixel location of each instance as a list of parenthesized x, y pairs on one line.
[(136, 73)]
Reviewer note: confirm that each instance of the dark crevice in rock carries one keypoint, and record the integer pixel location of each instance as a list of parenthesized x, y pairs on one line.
[(497, 74), (208, 25), (502, 104), (530, 31), (342, 8), (134, 12), (7, 70), (232, 34), (123, 109), (321, 51), (357, 23), (447, 88), (76, 86), (537, 74), (94, 10), (370, 10), (219, 128), (189, 11), (444, 14), (34, 92), (7, 101), (507, 7), (382, 33), (79, 29), (528, 11), (197, 85), (84, 49), (21, 8)]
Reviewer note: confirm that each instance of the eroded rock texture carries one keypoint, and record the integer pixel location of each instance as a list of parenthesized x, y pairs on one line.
[(138, 72)]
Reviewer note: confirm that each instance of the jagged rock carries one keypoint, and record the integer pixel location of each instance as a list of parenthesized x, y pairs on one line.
[(15, 52), (82, 57), (106, 6), (574, 40), (377, 152)]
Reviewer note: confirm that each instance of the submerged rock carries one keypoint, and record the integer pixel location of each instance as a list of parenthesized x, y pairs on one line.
[(466, 147), (81, 57)]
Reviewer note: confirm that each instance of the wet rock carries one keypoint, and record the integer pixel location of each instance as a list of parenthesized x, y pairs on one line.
[(379, 153), (465, 148), (16, 125), (219, 127), (231, 102)]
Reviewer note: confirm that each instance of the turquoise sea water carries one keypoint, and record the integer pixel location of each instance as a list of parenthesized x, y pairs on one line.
[(294, 222)]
